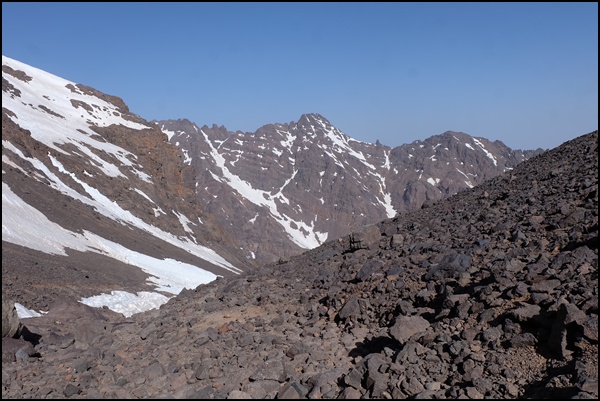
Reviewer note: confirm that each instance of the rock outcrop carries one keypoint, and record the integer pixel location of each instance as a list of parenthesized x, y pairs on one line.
[(11, 324)]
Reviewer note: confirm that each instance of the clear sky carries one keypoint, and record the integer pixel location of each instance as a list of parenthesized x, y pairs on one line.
[(522, 73)]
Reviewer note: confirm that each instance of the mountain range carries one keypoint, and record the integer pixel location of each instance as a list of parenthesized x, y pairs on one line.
[(101, 205), (127, 271), (289, 187)]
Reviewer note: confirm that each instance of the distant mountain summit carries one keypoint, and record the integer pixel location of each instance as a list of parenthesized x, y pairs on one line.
[(290, 187)]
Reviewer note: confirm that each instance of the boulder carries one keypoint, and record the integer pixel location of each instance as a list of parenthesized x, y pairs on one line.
[(11, 324)]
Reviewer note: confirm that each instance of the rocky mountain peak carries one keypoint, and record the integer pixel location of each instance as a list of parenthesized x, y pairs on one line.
[(312, 118), (307, 181)]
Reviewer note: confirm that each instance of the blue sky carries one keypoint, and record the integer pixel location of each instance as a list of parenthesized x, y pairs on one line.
[(522, 73)]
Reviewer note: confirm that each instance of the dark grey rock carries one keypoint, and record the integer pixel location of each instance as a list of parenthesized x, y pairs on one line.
[(350, 309), (407, 326)]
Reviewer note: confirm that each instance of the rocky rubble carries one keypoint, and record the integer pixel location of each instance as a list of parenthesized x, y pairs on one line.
[(491, 293)]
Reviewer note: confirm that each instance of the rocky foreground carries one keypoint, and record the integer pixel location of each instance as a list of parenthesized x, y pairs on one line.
[(492, 293)]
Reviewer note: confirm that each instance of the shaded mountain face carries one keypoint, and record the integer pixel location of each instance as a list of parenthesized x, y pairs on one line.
[(491, 293), (287, 188)]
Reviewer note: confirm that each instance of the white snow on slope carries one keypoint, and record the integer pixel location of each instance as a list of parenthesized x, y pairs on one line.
[(340, 143), (24, 312), (113, 211), (468, 181), (487, 153), (51, 92), (24, 225), (168, 275), (433, 181), (303, 235)]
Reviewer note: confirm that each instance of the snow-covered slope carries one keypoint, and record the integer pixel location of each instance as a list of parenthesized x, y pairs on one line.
[(62, 140)]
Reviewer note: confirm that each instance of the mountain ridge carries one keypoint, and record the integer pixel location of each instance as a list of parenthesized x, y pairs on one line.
[(315, 157), (199, 196)]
